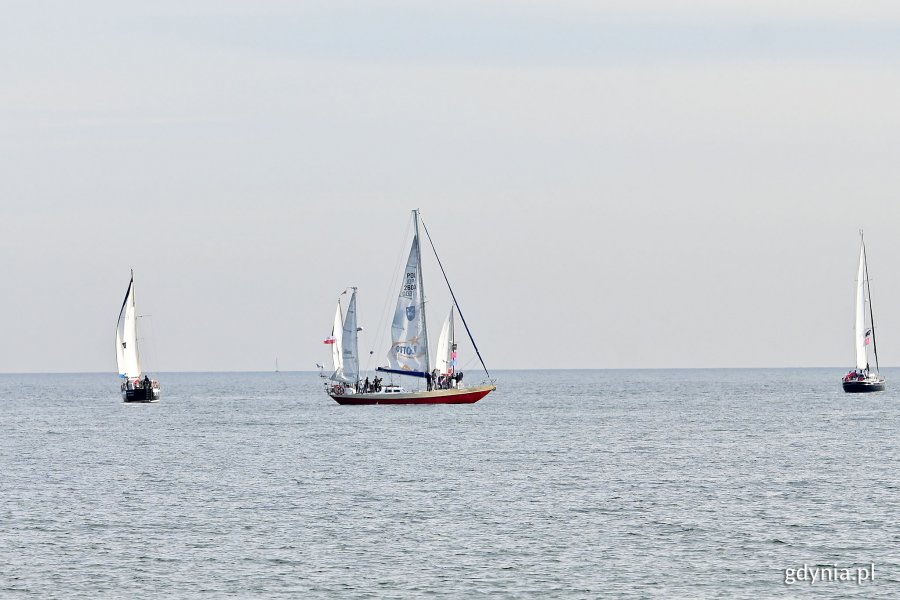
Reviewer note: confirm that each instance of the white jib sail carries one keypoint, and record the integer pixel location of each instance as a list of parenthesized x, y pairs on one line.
[(860, 338), (349, 371), (445, 361), (337, 331), (127, 357), (408, 336)]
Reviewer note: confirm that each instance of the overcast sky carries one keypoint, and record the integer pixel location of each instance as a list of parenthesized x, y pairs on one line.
[(610, 184)]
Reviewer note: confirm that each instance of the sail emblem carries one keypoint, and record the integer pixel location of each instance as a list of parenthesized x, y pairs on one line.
[(410, 313)]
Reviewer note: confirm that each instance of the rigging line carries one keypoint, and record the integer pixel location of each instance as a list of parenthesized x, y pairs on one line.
[(466, 364), (148, 345), (869, 291), (153, 353), (455, 303), (387, 300)]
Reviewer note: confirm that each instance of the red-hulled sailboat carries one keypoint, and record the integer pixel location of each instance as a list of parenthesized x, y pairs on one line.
[(437, 381)]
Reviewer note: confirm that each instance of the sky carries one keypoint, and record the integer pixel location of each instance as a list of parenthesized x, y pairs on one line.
[(610, 184)]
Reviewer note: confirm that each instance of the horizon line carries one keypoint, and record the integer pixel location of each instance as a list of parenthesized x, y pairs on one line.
[(495, 370)]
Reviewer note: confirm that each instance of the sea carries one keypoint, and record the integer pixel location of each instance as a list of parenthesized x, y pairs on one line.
[(562, 484)]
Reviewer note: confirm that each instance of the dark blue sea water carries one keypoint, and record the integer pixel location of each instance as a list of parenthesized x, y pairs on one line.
[(563, 484)]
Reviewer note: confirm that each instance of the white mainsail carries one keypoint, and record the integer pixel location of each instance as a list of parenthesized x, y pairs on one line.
[(337, 333), (349, 369), (127, 356), (861, 331), (445, 357), (409, 347)]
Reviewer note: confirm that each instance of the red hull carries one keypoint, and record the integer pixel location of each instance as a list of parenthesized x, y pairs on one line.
[(436, 397)]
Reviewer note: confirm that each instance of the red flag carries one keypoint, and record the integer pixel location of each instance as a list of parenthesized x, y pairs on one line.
[(329, 340)]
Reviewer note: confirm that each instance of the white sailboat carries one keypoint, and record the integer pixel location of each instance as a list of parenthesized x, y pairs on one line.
[(861, 378), (135, 388), (409, 354)]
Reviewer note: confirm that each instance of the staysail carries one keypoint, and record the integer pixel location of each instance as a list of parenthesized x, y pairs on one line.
[(337, 334), (349, 369), (409, 347), (127, 357), (445, 358)]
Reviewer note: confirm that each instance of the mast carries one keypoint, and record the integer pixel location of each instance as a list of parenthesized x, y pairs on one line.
[(869, 296), (421, 289)]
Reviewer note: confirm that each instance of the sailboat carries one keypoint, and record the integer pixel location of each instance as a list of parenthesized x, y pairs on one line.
[(135, 388), (861, 379), (408, 355)]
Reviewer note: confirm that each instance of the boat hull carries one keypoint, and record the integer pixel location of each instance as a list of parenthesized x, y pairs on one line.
[(863, 386), (463, 396), (141, 395)]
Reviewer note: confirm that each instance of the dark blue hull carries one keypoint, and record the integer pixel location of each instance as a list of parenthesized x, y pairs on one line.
[(141, 395), (861, 387)]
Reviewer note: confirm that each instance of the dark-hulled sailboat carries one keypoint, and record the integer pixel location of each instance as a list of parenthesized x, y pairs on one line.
[(861, 378), (135, 387)]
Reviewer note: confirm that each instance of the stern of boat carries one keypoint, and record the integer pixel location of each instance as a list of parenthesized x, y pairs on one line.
[(151, 394), (862, 386)]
